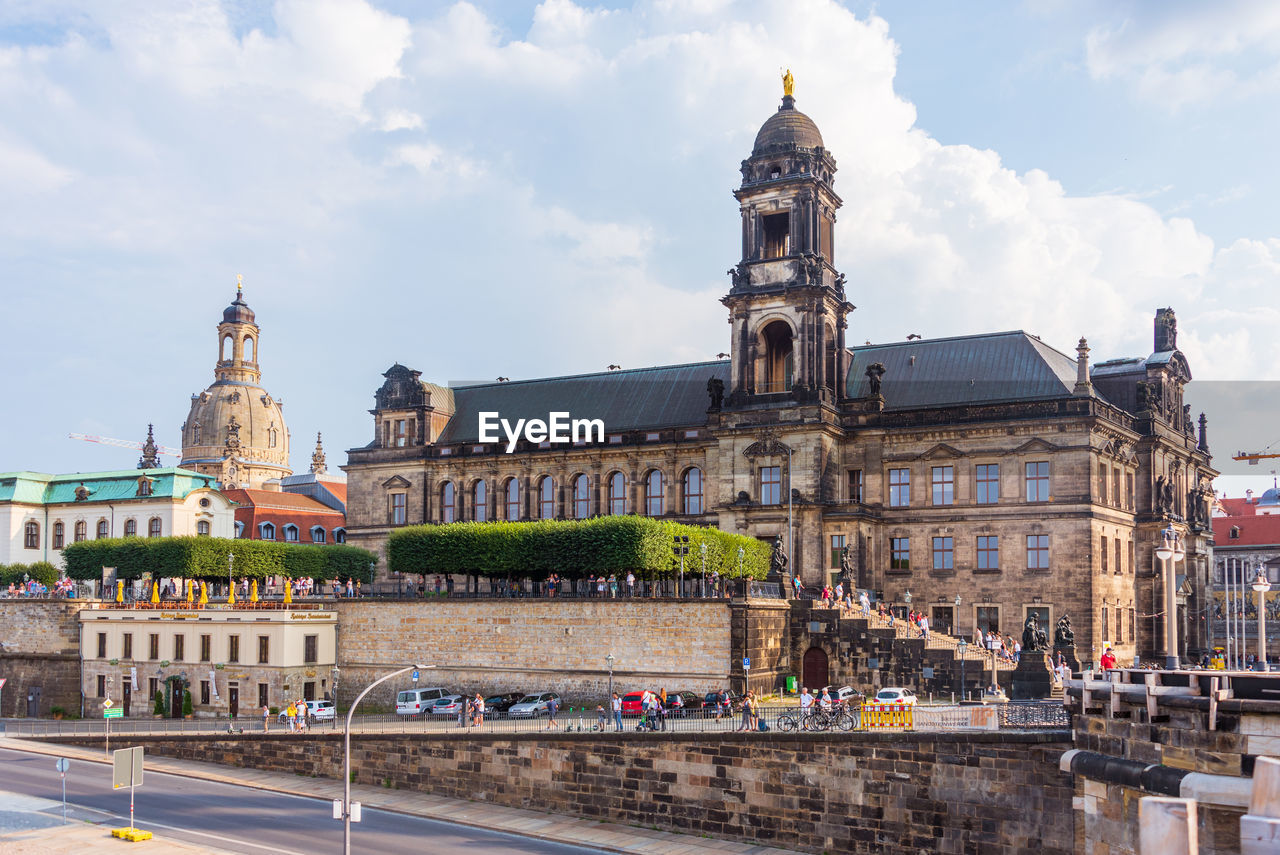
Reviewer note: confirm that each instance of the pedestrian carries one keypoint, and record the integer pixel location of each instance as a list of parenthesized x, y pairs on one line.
[(477, 708), (291, 714), (600, 717), (660, 709), (1109, 659), (616, 704), (924, 627), (806, 704), (865, 602), (613, 586), (266, 717), (358, 594), (439, 582), (839, 593), (553, 707), (715, 583), (600, 583), (796, 586), (1017, 650), (631, 584), (351, 588), (746, 713), (448, 586), (662, 695)]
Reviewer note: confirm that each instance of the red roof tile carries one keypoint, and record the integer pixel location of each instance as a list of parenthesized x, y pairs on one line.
[(1263, 530), (279, 501)]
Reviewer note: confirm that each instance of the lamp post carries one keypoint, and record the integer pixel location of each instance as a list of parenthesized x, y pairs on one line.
[(956, 628), (231, 557), (1262, 584), (1170, 551), (741, 553), (680, 550), (962, 646), (609, 660), (346, 753), (373, 566), (906, 597), (702, 585)]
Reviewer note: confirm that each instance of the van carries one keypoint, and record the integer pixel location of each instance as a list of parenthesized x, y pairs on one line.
[(418, 701)]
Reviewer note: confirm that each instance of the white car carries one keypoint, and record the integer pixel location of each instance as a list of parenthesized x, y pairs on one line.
[(840, 695), (418, 701), (448, 705), (895, 696), (531, 706)]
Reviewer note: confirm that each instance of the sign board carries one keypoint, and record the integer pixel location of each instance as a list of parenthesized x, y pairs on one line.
[(337, 808), (415, 675), (62, 765), (927, 673), (3, 680), (113, 712), (126, 768), (355, 811), (108, 704), (746, 664)]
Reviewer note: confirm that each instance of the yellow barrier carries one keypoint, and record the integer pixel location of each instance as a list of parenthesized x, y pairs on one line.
[(877, 716)]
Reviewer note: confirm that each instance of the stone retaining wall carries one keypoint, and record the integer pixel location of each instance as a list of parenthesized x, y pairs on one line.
[(40, 647), (897, 794)]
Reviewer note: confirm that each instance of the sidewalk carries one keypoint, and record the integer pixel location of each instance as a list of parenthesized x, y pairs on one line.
[(609, 837)]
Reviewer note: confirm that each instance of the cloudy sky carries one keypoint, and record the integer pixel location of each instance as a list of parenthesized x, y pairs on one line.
[(485, 188)]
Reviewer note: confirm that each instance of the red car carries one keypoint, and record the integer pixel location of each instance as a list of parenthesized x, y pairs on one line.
[(631, 703)]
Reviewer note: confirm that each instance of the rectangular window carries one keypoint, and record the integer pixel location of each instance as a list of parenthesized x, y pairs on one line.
[(988, 619), (179, 647), (206, 647), (1102, 483), (233, 648), (1128, 490), (204, 693), (262, 694), (855, 485), (264, 649), (153, 646), (987, 482), (1038, 481), (899, 488), (399, 434), (1115, 487), (1106, 636), (102, 685), (1104, 553), (837, 548), (943, 481), (309, 645), (943, 553), (152, 684), (1118, 566), (1133, 620), (102, 645), (128, 646), (988, 552), (899, 553), (1037, 552), (1131, 557), (398, 515), (770, 485)]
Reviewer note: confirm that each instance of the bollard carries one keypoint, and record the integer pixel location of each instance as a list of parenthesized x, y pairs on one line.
[(1167, 826)]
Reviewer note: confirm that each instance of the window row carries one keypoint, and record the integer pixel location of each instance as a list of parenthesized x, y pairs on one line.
[(942, 484), (1110, 491), (987, 554), (580, 502), (178, 643), (80, 531), (1112, 552), (290, 533)]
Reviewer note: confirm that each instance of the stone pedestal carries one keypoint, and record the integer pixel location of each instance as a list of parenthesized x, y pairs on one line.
[(1032, 679), (1069, 654)]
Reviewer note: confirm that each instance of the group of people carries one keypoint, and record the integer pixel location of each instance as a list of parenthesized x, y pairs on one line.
[(1004, 646), (471, 711), (297, 716), (34, 588)]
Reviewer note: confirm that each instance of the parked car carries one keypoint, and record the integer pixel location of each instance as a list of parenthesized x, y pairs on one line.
[(316, 711), (631, 703), (893, 695), (690, 704), (418, 701), (500, 705), (449, 705), (532, 706), (842, 694), (712, 700)]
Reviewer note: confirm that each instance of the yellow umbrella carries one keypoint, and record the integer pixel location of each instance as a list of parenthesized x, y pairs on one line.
[(253, 591), (288, 590), (191, 590), (231, 598), (204, 594), (155, 591), (120, 591)]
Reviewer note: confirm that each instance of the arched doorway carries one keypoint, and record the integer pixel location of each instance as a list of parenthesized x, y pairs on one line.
[(814, 669)]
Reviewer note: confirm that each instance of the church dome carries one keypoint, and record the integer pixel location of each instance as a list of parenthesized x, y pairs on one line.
[(238, 312), (786, 128), (1271, 497)]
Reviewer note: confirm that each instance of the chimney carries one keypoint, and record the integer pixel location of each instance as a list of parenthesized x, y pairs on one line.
[(1083, 387), (1248, 497)]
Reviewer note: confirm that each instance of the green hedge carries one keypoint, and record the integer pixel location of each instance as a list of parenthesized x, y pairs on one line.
[(41, 571), (206, 558), (571, 548)]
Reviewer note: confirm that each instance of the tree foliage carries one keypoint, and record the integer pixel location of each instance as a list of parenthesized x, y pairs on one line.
[(41, 571), (207, 558), (573, 548)]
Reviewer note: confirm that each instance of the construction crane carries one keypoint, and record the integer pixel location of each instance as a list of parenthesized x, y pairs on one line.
[(125, 443), (1254, 457)]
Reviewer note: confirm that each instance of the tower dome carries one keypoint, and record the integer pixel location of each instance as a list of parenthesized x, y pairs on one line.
[(235, 430), (788, 128)]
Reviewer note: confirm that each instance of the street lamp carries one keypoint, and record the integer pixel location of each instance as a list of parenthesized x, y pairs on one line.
[(956, 628), (609, 660), (702, 547), (961, 646), (231, 557), (907, 599), (346, 753), (1170, 551), (680, 550), (1262, 584), (373, 565)]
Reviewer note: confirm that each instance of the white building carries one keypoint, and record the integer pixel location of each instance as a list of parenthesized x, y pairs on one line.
[(40, 514)]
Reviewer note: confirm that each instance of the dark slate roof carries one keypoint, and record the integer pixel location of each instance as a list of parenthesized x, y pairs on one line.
[(638, 399), (1129, 365), (977, 369)]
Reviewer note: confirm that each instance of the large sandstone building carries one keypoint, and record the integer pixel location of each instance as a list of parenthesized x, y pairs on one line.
[(981, 478)]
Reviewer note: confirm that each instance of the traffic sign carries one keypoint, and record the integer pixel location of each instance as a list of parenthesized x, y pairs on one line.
[(62, 764), (746, 664), (126, 768), (415, 676), (111, 712), (3, 680), (107, 704)]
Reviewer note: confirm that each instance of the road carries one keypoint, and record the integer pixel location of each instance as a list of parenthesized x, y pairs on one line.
[(243, 819)]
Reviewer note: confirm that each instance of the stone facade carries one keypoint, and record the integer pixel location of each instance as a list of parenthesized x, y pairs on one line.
[(888, 794), (990, 467), (39, 656)]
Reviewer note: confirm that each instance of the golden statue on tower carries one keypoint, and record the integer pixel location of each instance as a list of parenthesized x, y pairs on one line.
[(788, 84)]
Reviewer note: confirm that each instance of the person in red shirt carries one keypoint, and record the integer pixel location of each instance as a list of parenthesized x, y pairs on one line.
[(1108, 660)]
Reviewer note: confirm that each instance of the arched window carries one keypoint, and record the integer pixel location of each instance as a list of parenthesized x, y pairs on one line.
[(581, 497), (267, 531), (104, 529), (617, 494), (448, 503), (339, 535), (291, 533), (317, 534), (250, 349), (693, 491), (59, 534), (130, 527), (31, 535), (653, 493), (81, 530), (195, 433), (546, 498), (512, 494), (226, 348), (271, 437), (480, 502), (202, 528), (779, 365), (830, 358), (153, 527)]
